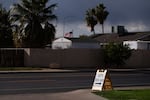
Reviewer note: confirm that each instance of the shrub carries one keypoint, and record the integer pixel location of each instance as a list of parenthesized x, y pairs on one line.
[(115, 54)]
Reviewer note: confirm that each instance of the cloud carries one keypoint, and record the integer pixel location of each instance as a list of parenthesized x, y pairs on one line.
[(135, 27), (133, 14), (74, 8), (122, 11), (80, 28)]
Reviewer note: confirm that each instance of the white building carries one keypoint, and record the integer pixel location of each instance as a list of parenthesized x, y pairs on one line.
[(61, 43), (143, 45)]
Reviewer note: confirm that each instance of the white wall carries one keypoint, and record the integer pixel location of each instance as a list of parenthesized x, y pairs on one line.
[(142, 45), (131, 44)]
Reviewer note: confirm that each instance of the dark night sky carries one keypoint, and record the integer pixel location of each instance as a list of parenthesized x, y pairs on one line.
[(133, 14)]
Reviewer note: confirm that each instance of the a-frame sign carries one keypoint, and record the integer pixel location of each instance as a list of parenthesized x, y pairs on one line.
[(102, 81)]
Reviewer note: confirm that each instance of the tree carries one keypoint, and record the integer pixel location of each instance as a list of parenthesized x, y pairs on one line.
[(115, 54), (49, 28), (101, 14), (5, 29), (90, 20), (97, 14), (84, 37), (32, 17)]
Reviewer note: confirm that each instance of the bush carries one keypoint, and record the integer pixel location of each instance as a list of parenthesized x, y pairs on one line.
[(115, 54)]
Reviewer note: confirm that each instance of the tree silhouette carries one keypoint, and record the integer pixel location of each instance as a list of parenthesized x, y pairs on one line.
[(101, 14), (33, 17), (97, 14), (90, 20), (5, 29)]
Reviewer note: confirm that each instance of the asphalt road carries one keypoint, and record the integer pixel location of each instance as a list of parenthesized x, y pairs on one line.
[(22, 83), (44, 82), (130, 79)]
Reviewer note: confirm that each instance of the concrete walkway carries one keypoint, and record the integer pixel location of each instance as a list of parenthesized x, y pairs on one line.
[(84, 94)]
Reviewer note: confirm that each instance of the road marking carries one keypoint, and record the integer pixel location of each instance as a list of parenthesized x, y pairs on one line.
[(54, 76), (22, 81)]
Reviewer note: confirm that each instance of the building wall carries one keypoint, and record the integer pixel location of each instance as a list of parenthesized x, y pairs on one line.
[(76, 58), (131, 44), (143, 45), (138, 45)]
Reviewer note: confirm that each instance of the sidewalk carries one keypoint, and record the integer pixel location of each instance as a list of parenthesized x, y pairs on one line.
[(84, 94)]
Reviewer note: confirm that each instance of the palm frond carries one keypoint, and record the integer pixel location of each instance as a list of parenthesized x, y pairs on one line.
[(14, 17), (49, 9), (21, 9), (47, 18)]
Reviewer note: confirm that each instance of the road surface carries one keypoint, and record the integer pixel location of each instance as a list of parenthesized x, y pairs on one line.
[(22, 83)]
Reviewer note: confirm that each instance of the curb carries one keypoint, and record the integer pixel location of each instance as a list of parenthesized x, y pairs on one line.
[(36, 71), (48, 71), (131, 87), (130, 70), (74, 70)]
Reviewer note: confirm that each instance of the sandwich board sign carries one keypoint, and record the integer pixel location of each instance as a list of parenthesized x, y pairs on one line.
[(102, 81)]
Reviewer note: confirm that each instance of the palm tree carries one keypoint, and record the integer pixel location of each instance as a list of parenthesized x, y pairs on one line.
[(90, 20), (32, 16), (101, 14), (17, 36), (49, 28), (5, 29)]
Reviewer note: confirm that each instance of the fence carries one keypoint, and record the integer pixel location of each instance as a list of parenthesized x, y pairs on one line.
[(11, 57), (139, 59), (80, 58), (68, 58)]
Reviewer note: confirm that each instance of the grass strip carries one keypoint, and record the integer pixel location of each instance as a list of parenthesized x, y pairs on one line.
[(126, 94)]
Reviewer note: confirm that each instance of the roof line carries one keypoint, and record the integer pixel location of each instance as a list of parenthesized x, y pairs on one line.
[(143, 37)]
